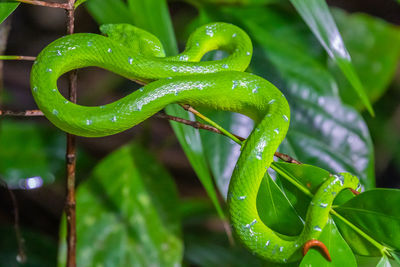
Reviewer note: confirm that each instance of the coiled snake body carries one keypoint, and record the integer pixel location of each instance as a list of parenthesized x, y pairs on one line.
[(222, 84)]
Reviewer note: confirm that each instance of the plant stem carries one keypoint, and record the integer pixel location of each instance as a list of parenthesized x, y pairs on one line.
[(211, 122), (381, 248), (7, 57)]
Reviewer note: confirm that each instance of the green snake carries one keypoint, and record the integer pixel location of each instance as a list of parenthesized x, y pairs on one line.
[(221, 84)]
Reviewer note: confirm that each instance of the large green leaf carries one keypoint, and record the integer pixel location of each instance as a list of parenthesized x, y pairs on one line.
[(6, 8), (127, 214), (374, 46), (339, 251), (374, 212), (153, 16), (318, 17)]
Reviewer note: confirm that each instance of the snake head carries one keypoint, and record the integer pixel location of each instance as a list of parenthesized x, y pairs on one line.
[(138, 40)]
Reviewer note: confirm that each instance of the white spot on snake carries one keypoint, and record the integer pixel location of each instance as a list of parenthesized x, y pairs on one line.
[(281, 249), (338, 178), (323, 205), (234, 35), (197, 44), (255, 90), (248, 53), (72, 48), (242, 197), (109, 50), (49, 70), (66, 102), (174, 69), (276, 131), (114, 119), (209, 31), (102, 106), (333, 193), (268, 115), (130, 60), (89, 43), (235, 84), (141, 89), (184, 58), (271, 101), (55, 112), (88, 122), (54, 90), (317, 228), (358, 187), (285, 260), (259, 155), (225, 66), (296, 245), (34, 88), (267, 243), (169, 78), (285, 117), (58, 53)]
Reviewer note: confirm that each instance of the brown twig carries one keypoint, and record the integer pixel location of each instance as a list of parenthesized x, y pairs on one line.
[(21, 257), (46, 4), (70, 206), (198, 125), (25, 113)]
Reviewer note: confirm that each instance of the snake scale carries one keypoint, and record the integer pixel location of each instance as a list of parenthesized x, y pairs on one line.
[(221, 84)]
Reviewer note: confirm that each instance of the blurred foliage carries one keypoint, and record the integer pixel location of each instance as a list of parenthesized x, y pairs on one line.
[(128, 210), (126, 217), (39, 159)]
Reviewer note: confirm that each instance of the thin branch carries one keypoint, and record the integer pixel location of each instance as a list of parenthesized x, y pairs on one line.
[(11, 57), (70, 205), (25, 113), (46, 4), (21, 257), (198, 125)]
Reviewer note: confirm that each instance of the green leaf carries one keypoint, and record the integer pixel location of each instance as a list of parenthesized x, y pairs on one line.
[(318, 17), (275, 210), (374, 212), (109, 11), (127, 209), (153, 16), (78, 3), (339, 251), (39, 249), (6, 8), (374, 46)]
